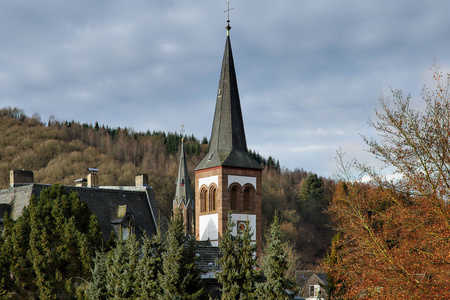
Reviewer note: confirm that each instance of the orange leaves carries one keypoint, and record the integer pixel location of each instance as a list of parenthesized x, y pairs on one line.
[(389, 239)]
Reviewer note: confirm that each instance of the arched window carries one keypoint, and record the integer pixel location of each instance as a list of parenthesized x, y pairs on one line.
[(233, 198), (203, 200), (212, 198), (248, 199)]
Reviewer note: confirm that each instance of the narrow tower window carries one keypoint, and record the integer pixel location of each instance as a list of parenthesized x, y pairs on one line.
[(247, 199), (233, 198), (212, 198), (203, 200)]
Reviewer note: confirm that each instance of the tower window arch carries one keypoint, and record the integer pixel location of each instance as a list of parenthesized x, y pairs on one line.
[(203, 200), (233, 197), (248, 198), (212, 198)]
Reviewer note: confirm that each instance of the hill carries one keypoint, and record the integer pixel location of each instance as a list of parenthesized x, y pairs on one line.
[(61, 152)]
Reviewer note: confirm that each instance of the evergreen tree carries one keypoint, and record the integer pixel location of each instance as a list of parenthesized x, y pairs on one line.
[(336, 286), (150, 266), (4, 258), (311, 201), (97, 286), (274, 266), (122, 277), (51, 244), (180, 278), (238, 263)]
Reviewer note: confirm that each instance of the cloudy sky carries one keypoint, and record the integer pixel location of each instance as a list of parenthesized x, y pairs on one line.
[(309, 72)]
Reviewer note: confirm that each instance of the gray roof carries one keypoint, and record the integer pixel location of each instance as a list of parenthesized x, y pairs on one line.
[(208, 256), (228, 146), (138, 203), (183, 191)]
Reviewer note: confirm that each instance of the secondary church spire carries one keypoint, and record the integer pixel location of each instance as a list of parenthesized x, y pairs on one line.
[(183, 201)]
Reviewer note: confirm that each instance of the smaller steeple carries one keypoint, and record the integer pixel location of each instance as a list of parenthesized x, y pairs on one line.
[(183, 200)]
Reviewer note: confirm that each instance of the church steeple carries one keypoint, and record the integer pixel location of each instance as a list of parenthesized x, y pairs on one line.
[(228, 145), (228, 181), (183, 200)]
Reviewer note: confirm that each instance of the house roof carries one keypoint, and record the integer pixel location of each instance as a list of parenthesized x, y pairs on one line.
[(139, 204), (228, 145)]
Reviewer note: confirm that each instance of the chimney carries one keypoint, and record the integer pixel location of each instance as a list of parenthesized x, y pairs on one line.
[(141, 180), (92, 178), (20, 177)]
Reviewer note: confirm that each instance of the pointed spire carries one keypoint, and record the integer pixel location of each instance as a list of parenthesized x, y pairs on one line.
[(228, 145), (183, 191)]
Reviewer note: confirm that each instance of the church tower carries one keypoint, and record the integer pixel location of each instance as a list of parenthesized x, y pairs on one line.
[(228, 179), (183, 202)]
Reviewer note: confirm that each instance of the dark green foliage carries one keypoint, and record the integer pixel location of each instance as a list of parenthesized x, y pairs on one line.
[(238, 264), (336, 287), (128, 271), (150, 266), (51, 244), (123, 277), (312, 200), (274, 266), (180, 277)]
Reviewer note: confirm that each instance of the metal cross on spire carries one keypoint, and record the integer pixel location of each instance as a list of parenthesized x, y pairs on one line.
[(182, 132), (228, 17)]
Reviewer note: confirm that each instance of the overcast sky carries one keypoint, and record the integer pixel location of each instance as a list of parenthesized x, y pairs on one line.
[(309, 72)]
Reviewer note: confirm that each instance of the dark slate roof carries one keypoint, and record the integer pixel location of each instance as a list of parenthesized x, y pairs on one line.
[(183, 191), (228, 146), (103, 202), (207, 256)]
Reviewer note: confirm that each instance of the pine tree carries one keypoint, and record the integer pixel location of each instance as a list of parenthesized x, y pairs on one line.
[(274, 266), (51, 244), (180, 278), (238, 263), (311, 201), (150, 266), (121, 263), (97, 286), (336, 286)]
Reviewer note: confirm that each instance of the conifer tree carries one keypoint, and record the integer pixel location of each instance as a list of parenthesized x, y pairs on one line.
[(97, 286), (150, 266), (311, 201), (336, 286), (51, 244), (238, 263), (274, 266), (180, 277), (122, 277)]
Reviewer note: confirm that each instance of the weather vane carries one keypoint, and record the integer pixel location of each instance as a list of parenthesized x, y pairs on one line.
[(228, 17)]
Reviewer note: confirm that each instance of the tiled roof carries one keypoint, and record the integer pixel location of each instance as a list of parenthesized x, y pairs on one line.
[(103, 202)]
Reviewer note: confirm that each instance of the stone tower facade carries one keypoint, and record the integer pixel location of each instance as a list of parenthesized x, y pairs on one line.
[(228, 179)]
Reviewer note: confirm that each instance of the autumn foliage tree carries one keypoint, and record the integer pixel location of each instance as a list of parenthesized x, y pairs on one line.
[(395, 241)]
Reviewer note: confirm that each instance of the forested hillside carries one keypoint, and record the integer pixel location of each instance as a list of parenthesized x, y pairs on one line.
[(61, 152)]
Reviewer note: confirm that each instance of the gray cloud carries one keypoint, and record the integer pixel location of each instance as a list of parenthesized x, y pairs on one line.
[(309, 72)]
